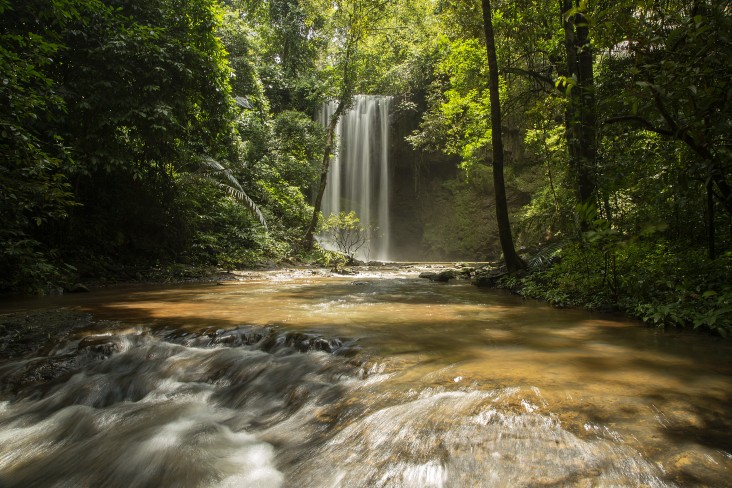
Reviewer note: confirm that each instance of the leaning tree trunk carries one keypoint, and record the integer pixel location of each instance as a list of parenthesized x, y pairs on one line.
[(513, 261), (330, 141), (580, 115)]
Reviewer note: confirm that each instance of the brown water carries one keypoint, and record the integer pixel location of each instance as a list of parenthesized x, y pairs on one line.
[(428, 385)]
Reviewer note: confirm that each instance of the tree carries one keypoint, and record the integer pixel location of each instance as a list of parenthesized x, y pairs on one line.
[(676, 68), (513, 262), (346, 232), (35, 194), (147, 87), (579, 84)]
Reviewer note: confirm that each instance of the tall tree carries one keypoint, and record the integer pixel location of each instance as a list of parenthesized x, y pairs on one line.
[(513, 261), (581, 114)]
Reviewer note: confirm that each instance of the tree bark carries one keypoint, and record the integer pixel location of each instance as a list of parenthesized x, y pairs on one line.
[(581, 118), (309, 238), (711, 232), (513, 261)]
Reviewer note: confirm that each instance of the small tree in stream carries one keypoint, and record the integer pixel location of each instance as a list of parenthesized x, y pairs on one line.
[(346, 232)]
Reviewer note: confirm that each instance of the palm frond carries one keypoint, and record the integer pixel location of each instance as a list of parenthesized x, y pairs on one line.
[(240, 195), (212, 167), (546, 255), (243, 102)]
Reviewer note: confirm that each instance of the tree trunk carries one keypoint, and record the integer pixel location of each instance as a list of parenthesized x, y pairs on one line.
[(581, 118), (309, 238), (711, 231), (513, 261)]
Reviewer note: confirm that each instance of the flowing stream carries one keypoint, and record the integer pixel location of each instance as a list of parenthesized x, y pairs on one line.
[(300, 379)]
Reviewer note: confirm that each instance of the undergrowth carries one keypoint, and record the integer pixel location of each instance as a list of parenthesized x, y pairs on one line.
[(654, 282)]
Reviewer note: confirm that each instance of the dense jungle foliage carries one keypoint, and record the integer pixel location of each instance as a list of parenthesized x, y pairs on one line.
[(174, 134)]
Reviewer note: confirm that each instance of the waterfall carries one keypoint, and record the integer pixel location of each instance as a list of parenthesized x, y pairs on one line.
[(359, 174)]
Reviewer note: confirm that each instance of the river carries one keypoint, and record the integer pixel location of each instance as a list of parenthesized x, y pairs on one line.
[(302, 379)]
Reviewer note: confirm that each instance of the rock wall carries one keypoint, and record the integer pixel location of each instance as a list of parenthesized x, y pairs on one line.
[(426, 216), (437, 213)]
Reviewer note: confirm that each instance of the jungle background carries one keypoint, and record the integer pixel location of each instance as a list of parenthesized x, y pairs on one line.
[(164, 137)]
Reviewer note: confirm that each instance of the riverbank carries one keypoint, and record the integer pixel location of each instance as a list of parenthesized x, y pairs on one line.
[(678, 290)]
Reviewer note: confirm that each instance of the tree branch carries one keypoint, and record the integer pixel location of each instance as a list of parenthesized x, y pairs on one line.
[(639, 120), (531, 74)]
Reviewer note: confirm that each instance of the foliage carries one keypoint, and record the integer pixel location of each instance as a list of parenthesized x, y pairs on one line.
[(651, 280), (34, 191), (346, 233)]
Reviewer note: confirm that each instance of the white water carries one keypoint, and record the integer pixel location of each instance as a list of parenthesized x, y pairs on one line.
[(359, 174)]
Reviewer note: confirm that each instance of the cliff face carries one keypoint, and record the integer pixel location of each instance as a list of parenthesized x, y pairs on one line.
[(428, 201), (437, 212), (416, 187)]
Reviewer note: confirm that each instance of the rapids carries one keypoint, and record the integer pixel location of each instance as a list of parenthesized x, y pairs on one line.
[(300, 379)]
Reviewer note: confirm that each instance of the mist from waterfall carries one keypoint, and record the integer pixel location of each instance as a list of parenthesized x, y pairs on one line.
[(359, 174)]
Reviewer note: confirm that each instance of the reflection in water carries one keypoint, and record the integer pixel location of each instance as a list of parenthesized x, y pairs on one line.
[(300, 380)]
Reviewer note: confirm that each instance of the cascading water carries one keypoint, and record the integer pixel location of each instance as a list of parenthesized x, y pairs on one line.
[(359, 174)]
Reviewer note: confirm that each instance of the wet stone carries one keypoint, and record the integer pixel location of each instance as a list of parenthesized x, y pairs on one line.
[(242, 336), (303, 342), (99, 347), (442, 276), (38, 371), (79, 288)]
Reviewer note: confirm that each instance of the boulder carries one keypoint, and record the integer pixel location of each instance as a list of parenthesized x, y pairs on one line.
[(344, 271), (489, 277), (466, 271), (442, 276), (79, 288)]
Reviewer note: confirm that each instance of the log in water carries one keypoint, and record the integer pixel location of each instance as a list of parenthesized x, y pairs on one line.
[(294, 379)]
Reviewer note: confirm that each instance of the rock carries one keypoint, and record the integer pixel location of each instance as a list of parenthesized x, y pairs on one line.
[(79, 288), (245, 335), (442, 276), (307, 342), (488, 277), (98, 346), (344, 271), (466, 271)]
